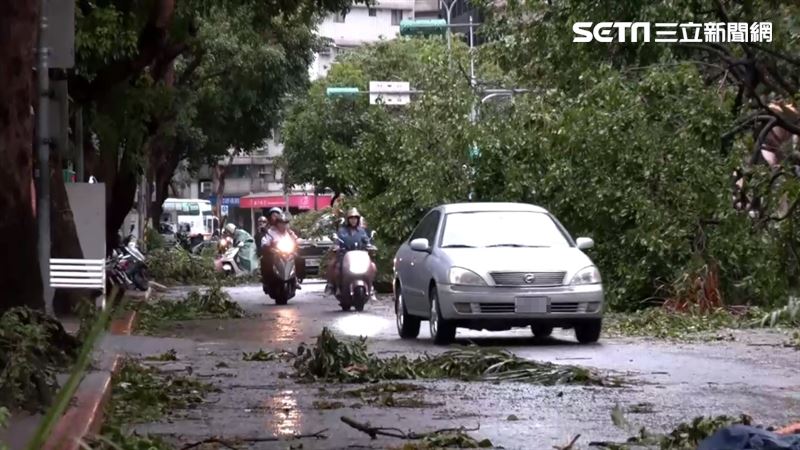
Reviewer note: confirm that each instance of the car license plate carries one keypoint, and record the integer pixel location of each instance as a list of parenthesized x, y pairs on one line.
[(312, 262), (532, 304)]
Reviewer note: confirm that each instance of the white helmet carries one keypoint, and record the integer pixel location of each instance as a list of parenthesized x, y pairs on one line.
[(230, 228)]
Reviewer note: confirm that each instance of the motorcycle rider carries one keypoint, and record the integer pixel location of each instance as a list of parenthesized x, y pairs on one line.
[(262, 227), (273, 215), (351, 236), (274, 234), (247, 254)]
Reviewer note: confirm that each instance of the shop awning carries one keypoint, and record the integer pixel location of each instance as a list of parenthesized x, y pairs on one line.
[(299, 201)]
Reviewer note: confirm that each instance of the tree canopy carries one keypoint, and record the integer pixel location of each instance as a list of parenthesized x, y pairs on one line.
[(632, 144)]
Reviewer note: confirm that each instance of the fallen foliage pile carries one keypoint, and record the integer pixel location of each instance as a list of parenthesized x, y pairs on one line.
[(686, 436), (33, 347), (141, 393), (349, 362), (214, 303), (175, 266)]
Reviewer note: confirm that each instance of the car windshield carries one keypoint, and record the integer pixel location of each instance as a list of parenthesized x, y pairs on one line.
[(502, 229)]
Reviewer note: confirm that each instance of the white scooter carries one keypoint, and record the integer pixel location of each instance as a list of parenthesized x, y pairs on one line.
[(357, 277), (226, 262)]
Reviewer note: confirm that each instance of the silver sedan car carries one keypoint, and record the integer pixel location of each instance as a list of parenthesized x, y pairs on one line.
[(495, 266)]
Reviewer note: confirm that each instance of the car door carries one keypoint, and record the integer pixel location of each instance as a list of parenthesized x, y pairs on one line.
[(419, 272), (405, 258)]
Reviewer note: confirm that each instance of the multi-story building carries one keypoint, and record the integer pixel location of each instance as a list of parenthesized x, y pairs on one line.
[(253, 183), (364, 25)]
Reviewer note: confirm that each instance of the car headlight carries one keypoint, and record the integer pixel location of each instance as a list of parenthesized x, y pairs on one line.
[(587, 275), (460, 275)]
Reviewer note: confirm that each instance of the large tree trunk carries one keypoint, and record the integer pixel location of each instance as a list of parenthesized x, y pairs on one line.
[(20, 279), (120, 202), (164, 154), (164, 159), (219, 178)]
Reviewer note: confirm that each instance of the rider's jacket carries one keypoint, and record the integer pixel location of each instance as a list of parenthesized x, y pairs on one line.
[(352, 238)]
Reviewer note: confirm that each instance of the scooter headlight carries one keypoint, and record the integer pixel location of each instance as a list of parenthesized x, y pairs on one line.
[(359, 263), (285, 245)]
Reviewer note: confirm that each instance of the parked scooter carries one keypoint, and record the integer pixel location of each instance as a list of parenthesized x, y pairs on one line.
[(357, 277), (226, 261), (136, 269), (126, 266), (281, 283)]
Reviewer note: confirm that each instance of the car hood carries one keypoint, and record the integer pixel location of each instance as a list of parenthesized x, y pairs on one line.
[(508, 259)]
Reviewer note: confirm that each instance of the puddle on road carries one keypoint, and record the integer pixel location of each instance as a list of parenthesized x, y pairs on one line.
[(368, 325), (283, 326), (286, 417)]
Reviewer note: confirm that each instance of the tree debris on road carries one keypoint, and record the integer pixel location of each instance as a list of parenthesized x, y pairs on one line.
[(214, 303), (444, 438), (334, 360)]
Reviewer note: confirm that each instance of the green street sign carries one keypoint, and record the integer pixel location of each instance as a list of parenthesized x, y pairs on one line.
[(424, 27), (341, 91)]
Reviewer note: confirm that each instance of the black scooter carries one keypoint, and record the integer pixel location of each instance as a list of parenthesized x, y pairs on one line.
[(279, 279)]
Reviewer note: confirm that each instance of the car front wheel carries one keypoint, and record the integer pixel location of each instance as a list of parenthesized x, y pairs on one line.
[(407, 325), (541, 331), (443, 331), (588, 332)]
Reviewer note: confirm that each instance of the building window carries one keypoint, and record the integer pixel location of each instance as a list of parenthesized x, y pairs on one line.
[(373, 12), (338, 17), (205, 187), (397, 16)]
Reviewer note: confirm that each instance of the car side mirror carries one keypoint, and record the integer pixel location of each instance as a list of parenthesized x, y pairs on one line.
[(584, 243), (420, 245)]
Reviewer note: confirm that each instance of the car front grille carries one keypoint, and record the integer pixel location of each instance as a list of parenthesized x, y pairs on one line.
[(564, 307), (497, 308), (519, 278)]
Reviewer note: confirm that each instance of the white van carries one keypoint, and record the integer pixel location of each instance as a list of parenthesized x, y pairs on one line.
[(194, 211)]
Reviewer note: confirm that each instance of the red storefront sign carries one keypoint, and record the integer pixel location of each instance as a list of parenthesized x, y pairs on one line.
[(305, 202)]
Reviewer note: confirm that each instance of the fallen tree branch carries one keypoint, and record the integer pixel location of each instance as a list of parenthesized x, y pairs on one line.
[(569, 446), (229, 442), (374, 432)]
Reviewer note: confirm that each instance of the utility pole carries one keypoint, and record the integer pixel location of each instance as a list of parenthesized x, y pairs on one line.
[(43, 155)]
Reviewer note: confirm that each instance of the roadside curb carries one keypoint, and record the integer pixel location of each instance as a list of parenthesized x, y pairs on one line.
[(86, 414)]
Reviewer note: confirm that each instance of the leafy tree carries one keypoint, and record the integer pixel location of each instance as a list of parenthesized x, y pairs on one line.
[(630, 144)]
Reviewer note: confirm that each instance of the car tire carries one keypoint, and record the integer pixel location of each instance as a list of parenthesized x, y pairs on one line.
[(541, 331), (588, 332), (442, 331), (407, 325)]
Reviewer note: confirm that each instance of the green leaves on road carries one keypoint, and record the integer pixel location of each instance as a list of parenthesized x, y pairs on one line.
[(334, 360), (33, 347), (214, 303), (686, 436)]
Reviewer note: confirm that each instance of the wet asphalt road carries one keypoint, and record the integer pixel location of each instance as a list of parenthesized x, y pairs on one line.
[(672, 382)]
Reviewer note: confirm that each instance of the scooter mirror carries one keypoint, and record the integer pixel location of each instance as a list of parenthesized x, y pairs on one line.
[(372, 234)]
